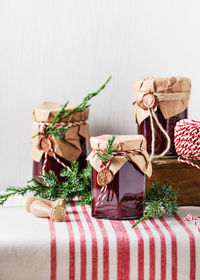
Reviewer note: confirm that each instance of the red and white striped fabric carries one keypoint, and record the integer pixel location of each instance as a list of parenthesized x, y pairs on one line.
[(86, 248)]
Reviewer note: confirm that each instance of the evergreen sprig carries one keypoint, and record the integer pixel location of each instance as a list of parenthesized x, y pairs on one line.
[(107, 154), (158, 198), (75, 184), (54, 130), (59, 132)]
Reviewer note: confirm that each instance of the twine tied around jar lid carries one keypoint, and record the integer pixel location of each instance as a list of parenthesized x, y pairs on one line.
[(170, 94)]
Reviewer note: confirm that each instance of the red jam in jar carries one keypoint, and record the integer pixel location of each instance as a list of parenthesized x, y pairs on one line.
[(118, 177), (125, 196), (160, 140)]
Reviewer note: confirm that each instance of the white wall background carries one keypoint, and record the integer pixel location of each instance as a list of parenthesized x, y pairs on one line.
[(54, 50)]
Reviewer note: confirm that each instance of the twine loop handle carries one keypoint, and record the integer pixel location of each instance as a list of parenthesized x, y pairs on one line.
[(153, 116)]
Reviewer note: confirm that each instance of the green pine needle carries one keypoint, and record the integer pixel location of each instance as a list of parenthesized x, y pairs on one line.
[(75, 184), (158, 199), (107, 154)]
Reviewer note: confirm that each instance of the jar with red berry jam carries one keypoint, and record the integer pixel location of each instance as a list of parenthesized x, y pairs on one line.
[(51, 153), (118, 185), (159, 104)]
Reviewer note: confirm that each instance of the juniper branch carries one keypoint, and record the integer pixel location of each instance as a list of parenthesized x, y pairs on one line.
[(75, 183), (159, 198), (59, 132)]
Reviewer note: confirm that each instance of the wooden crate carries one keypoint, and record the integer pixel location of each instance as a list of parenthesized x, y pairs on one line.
[(185, 179)]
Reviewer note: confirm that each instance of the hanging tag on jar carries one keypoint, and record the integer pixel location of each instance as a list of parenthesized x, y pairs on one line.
[(105, 177), (148, 101), (46, 146)]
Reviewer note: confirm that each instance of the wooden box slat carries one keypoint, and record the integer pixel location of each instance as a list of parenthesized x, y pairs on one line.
[(185, 179)]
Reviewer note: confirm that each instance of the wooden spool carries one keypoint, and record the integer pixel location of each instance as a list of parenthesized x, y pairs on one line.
[(41, 210), (28, 200)]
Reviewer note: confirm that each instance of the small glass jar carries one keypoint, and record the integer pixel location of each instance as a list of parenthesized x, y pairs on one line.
[(125, 195), (72, 147), (160, 140)]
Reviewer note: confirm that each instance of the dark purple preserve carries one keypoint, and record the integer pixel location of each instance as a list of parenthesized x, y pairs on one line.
[(125, 196), (53, 165), (160, 140)]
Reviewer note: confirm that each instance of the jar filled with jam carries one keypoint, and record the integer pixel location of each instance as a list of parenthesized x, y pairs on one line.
[(51, 153), (160, 103), (118, 186)]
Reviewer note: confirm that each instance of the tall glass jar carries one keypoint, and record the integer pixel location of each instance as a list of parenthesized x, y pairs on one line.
[(125, 195), (160, 103), (70, 148)]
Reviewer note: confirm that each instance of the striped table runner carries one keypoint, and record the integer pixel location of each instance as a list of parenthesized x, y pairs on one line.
[(86, 248)]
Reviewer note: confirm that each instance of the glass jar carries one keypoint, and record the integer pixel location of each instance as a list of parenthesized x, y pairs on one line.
[(164, 101), (160, 140), (118, 184), (125, 198), (71, 147), (53, 165)]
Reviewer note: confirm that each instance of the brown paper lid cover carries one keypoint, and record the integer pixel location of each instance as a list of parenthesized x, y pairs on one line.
[(46, 111), (121, 143), (169, 84), (68, 148), (166, 88)]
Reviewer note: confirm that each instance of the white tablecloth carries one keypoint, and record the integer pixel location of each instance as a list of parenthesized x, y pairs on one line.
[(87, 248)]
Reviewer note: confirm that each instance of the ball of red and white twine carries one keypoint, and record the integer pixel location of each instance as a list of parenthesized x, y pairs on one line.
[(189, 218), (187, 144), (187, 141)]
